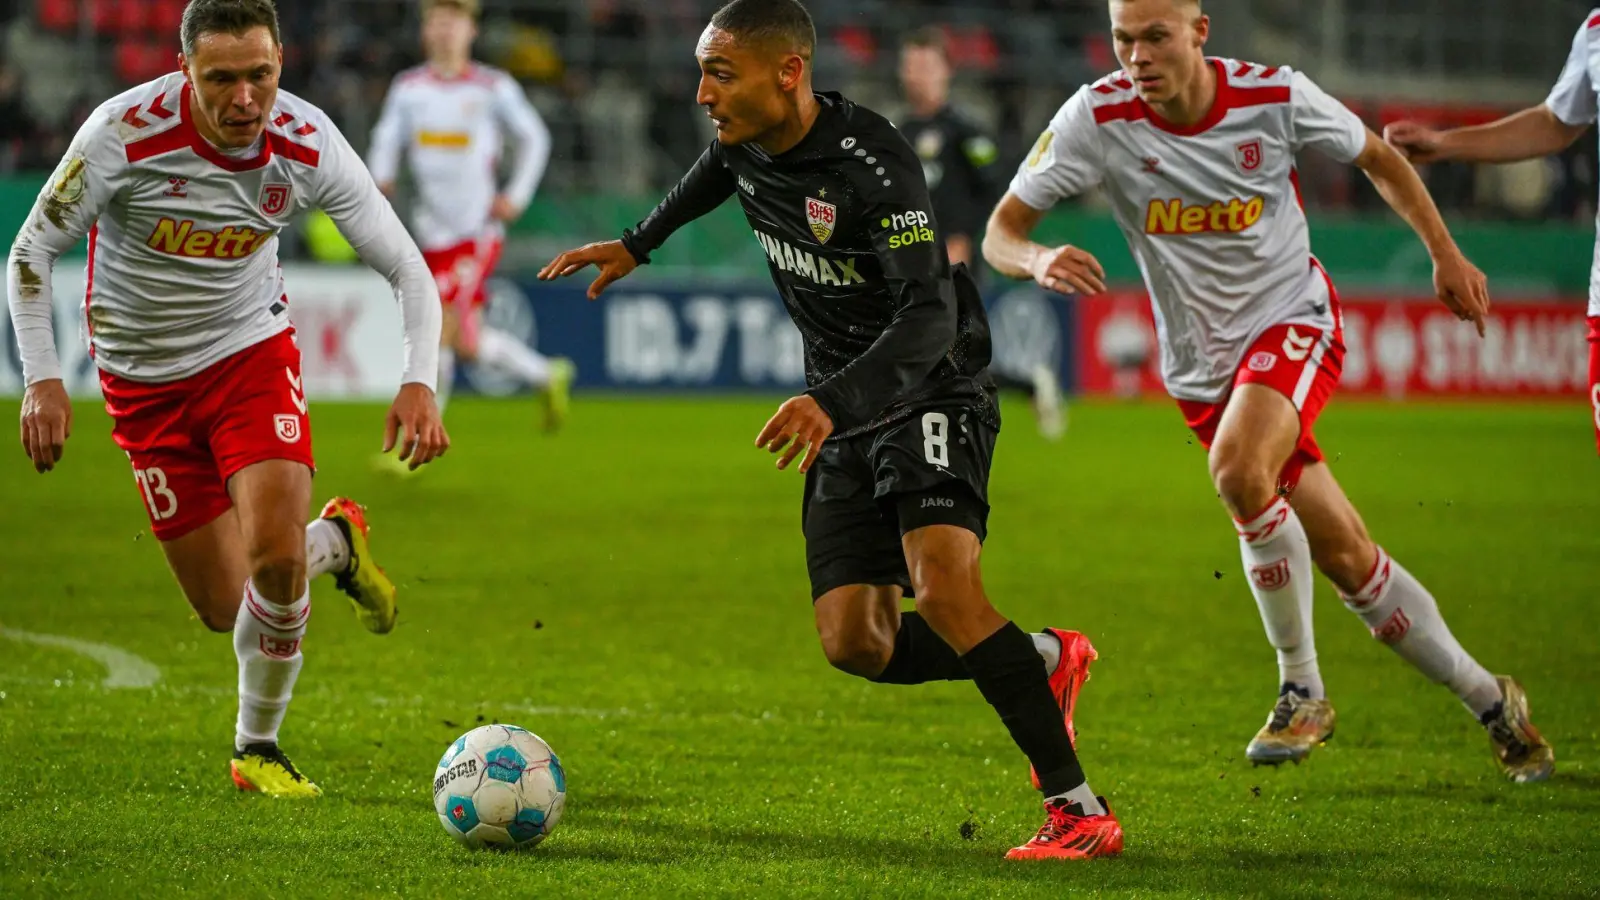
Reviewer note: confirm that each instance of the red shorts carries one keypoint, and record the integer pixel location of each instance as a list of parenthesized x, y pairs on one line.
[(1297, 361), (187, 438), (462, 273), (1594, 375)]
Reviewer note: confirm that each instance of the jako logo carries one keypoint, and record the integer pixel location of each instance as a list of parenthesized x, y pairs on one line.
[(746, 186), (942, 502), (909, 227), (1176, 217), (183, 239)]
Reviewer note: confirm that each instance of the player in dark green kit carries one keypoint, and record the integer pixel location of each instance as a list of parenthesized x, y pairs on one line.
[(898, 424)]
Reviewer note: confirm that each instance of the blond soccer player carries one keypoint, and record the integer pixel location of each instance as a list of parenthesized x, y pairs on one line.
[(1197, 158)]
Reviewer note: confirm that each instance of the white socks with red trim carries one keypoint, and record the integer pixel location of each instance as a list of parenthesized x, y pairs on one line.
[(326, 549), (1277, 564), (501, 351), (266, 640), (1402, 614)]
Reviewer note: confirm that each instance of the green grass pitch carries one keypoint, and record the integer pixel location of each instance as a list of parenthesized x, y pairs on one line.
[(634, 591)]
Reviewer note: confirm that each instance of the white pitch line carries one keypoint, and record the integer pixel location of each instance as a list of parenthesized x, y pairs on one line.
[(123, 669)]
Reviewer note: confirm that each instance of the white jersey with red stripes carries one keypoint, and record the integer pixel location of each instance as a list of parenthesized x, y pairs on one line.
[(1573, 100), (1211, 211), (451, 131), (183, 237)]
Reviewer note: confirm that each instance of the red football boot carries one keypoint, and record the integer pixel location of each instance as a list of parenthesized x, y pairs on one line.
[(1069, 834)]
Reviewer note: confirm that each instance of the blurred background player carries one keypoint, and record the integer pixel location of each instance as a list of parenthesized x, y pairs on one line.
[(188, 324), (1197, 156), (1542, 130), (452, 118), (958, 161)]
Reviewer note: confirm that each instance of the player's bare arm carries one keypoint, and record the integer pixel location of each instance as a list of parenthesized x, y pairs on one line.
[(1010, 249), (1459, 284), (1528, 134)]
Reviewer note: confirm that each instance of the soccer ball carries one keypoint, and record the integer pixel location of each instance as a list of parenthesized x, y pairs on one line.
[(499, 786)]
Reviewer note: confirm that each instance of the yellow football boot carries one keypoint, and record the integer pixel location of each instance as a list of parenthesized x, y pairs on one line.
[(370, 590), (262, 768), (557, 395)]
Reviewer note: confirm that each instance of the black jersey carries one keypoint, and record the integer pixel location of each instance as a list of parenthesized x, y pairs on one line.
[(855, 251), (958, 161)]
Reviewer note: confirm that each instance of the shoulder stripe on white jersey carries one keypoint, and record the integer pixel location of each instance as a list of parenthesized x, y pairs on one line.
[(184, 136), (1229, 97)]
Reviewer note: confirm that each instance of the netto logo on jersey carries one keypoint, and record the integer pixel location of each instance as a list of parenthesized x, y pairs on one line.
[(183, 239), (1177, 217), (819, 269), (908, 227)]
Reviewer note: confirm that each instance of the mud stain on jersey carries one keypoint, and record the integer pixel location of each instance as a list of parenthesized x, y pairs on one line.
[(70, 186), (30, 285)]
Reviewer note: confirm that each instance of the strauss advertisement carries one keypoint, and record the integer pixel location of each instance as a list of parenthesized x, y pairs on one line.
[(1396, 347)]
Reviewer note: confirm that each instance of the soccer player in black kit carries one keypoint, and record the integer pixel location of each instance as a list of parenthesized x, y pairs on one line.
[(898, 424)]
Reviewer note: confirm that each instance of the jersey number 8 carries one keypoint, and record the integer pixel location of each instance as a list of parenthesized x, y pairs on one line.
[(936, 438)]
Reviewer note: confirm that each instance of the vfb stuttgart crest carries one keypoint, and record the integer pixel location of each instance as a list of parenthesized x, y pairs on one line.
[(274, 198), (1248, 155), (821, 217)]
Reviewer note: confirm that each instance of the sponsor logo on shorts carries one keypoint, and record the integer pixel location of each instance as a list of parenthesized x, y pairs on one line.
[(297, 392), (1263, 361), (287, 428), (1271, 576), (1297, 348), (941, 502)]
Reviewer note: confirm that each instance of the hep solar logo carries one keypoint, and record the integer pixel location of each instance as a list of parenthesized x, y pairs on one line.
[(908, 228)]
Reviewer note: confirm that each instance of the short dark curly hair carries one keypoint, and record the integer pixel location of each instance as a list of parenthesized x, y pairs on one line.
[(777, 23), (226, 17)]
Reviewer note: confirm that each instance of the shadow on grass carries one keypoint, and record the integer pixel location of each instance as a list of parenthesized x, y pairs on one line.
[(621, 830)]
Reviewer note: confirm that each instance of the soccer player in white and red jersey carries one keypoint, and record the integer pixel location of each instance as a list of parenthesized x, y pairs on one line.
[(1542, 130), (182, 186), (450, 118), (1197, 158)]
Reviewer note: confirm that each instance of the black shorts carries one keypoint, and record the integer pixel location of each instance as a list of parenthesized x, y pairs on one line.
[(863, 493)]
